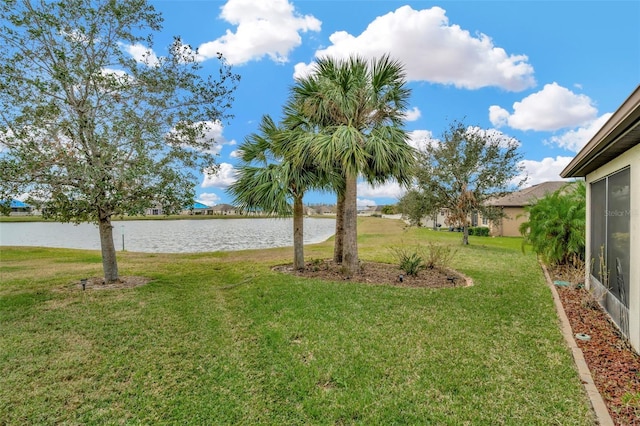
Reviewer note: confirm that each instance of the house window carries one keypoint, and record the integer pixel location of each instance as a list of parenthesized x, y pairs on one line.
[(474, 219), (485, 221), (610, 230)]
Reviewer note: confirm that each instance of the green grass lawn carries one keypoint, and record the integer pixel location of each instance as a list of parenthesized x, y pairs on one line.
[(219, 338)]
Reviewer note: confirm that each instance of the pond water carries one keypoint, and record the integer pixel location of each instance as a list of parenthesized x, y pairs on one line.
[(169, 236)]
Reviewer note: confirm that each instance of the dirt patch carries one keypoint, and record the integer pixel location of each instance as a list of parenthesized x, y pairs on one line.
[(614, 365), (379, 273), (97, 283)]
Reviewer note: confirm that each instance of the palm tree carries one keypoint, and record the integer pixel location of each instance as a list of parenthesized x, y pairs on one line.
[(269, 179), (556, 225), (358, 108)]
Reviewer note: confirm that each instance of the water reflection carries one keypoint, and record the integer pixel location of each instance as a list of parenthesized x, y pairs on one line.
[(168, 236)]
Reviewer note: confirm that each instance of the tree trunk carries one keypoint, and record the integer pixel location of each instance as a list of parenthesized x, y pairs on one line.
[(338, 247), (109, 261), (298, 233), (465, 235), (350, 258)]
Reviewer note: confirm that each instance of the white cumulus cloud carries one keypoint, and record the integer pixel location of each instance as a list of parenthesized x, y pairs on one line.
[(224, 176), (413, 114), (553, 108), (389, 189), (433, 50), (263, 28), (544, 170), (362, 203), (574, 140), (208, 198), (300, 70), (418, 139), (142, 54), (214, 131), (504, 140), (212, 134)]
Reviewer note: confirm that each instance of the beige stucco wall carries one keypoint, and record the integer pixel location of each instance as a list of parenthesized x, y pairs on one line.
[(428, 222), (510, 224), (629, 159)]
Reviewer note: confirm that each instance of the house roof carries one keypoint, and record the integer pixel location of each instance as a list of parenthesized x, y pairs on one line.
[(321, 208), (527, 196), (17, 204), (223, 207), (620, 133), (198, 205)]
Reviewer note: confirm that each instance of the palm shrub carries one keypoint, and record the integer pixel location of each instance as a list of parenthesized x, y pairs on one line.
[(556, 226), (410, 260), (412, 263), (413, 260)]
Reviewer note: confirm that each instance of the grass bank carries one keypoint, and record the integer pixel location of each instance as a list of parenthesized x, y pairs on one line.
[(219, 338)]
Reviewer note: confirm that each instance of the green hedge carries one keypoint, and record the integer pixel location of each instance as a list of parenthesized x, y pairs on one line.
[(479, 231)]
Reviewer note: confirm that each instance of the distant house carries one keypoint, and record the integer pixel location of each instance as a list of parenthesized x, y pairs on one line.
[(223, 209), (369, 210), (197, 209), (436, 220), (512, 205), (320, 209), (154, 211), (378, 210), (19, 208), (610, 164)]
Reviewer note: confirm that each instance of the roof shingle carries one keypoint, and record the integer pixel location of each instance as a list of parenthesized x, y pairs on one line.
[(527, 196)]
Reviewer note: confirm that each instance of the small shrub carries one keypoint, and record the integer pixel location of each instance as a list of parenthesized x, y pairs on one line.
[(573, 272), (319, 264), (414, 259), (439, 256), (411, 261), (603, 270), (631, 399), (588, 301), (412, 264)]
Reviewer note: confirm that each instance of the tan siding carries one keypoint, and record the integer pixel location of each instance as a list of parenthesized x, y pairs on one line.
[(510, 224)]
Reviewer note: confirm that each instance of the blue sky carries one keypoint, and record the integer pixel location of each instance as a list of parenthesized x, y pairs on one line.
[(548, 73)]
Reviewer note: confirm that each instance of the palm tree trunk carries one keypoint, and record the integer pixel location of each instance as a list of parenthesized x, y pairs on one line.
[(350, 258), (109, 261), (298, 233), (338, 248)]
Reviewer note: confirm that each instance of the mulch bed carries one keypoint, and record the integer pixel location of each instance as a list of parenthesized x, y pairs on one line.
[(379, 273), (614, 365)]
